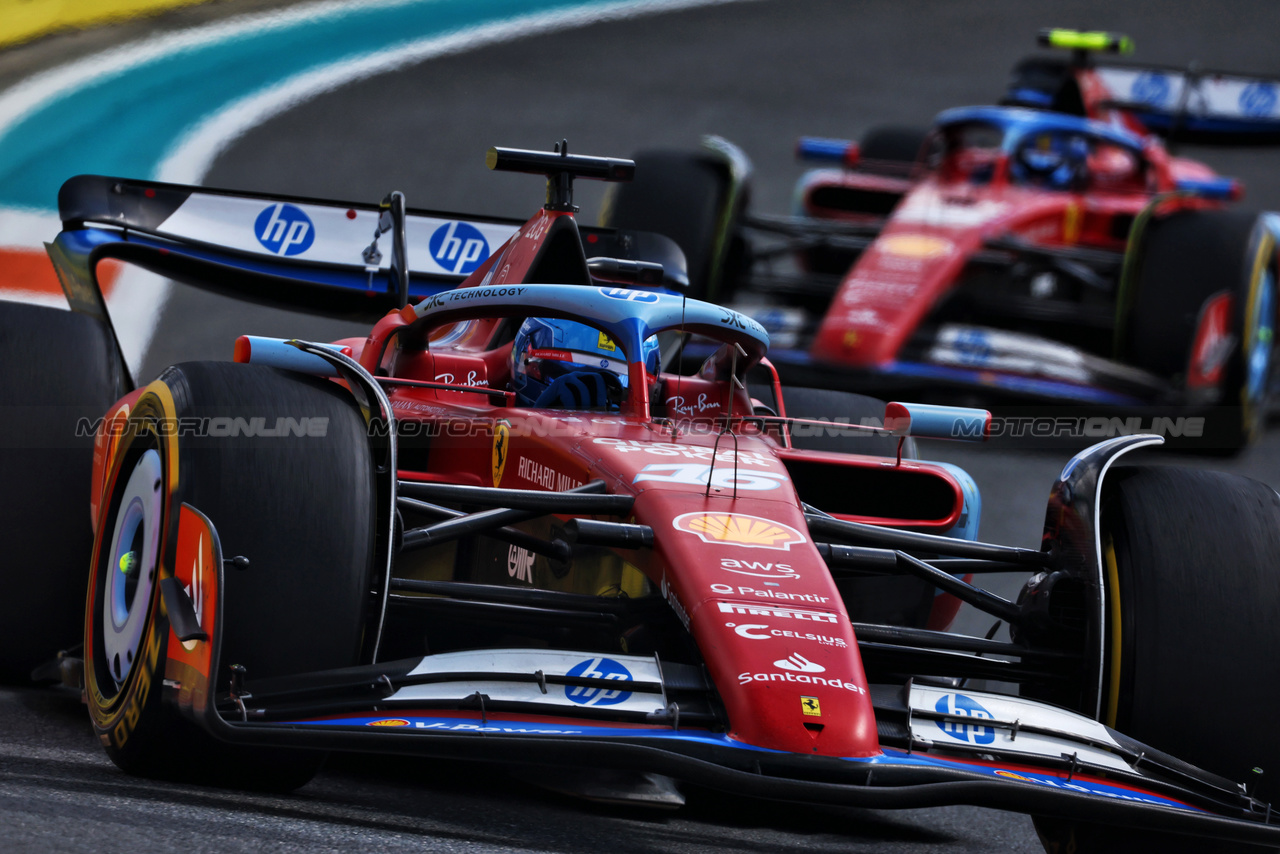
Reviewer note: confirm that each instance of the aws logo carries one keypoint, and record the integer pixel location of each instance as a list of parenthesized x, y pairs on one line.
[(758, 569), (739, 529), (284, 229)]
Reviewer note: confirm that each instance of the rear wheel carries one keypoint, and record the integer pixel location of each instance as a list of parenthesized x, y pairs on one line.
[(1186, 261), (300, 508), (1192, 556), (845, 406), (61, 371), (898, 144), (682, 195)]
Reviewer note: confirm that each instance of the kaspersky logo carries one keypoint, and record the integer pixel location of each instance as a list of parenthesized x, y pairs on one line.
[(739, 529)]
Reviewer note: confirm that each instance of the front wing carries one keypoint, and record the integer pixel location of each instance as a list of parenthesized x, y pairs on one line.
[(956, 748)]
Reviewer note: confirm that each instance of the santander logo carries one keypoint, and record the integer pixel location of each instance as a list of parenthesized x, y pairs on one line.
[(797, 663)]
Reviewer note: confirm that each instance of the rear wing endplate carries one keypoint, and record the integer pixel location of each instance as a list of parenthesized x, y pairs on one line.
[(1213, 106), (303, 254)]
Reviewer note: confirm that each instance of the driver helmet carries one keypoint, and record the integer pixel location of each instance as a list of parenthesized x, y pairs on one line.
[(564, 364), (1053, 160)]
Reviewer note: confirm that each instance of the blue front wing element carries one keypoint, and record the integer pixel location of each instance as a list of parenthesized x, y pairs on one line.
[(426, 723)]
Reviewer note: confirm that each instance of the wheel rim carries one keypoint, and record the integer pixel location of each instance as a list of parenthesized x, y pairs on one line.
[(1260, 337), (131, 571)]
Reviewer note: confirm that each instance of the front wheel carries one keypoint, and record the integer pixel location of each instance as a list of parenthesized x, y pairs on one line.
[(298, 503), (1199, 308), (1192, 557)]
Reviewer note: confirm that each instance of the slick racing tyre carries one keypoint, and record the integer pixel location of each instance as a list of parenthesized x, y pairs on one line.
[(300, 507), (683, 195), (1192, 633), (1185, 261), (61, 371)]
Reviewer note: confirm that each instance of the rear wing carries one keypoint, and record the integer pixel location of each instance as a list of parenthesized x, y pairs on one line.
[(1193, 104), (318, 256)]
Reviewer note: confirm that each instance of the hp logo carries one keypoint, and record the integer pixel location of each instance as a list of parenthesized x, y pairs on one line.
[(1151, 87), (598, 668), (458, 247), (629, 295), (284, 229), (1258, 100), (958, 705)]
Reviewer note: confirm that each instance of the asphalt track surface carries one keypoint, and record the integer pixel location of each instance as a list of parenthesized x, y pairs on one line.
[(758, 73)]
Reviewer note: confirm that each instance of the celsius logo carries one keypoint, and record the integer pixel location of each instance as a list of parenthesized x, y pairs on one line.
[(629, 295), (459, 247), (799, 664), (1258, 99), (958, 705), (284, 229), (1151, 87), (598, 668)]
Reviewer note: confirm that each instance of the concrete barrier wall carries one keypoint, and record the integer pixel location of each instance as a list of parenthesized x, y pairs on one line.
[(24, 20)]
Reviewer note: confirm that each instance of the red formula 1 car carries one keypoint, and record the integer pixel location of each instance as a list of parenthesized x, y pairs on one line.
[(456, 537), (1048, 250)]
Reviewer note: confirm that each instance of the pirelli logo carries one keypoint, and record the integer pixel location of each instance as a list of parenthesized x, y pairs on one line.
[(770, 611)]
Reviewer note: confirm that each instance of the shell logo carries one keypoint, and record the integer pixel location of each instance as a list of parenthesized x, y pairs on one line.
[(923, 246), (738, 529), (1012, 776), (390, 722)]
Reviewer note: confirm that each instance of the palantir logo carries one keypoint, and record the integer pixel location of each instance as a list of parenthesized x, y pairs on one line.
[(590, 695), (459, 247), (1152, 88), (1258, 99), (284, 229), (958, 705)]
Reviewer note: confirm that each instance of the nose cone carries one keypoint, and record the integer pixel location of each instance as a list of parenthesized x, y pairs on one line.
[(744, 576)]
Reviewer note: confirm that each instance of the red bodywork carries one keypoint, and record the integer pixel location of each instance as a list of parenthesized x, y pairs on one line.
[(734, 561), (944, 216)]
